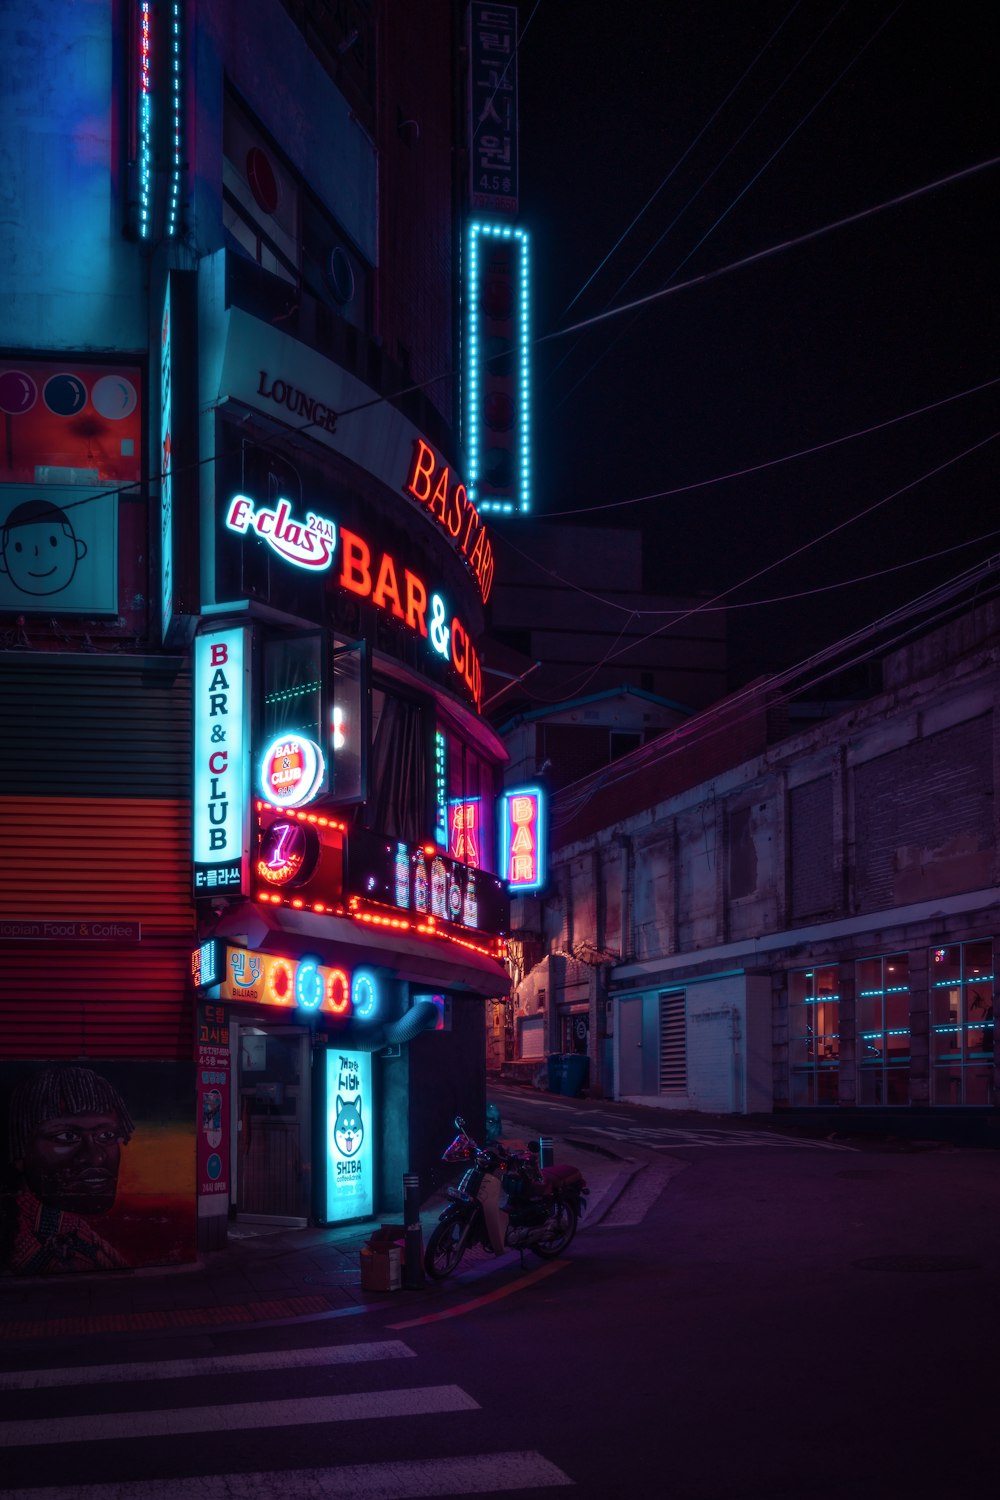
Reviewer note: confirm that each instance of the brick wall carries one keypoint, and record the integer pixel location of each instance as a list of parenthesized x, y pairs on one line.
[(923, 818)]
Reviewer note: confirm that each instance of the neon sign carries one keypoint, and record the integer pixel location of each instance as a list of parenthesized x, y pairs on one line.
[(498, 369), (292, 769), (288, 853), (522, 838), (176, 153), (145, 121), (430, 482), (463, 841), (309, 544), (350, 1136), (294, 984), (221, 750)]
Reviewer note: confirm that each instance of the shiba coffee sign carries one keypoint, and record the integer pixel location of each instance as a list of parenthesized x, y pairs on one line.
[(349, 1136)]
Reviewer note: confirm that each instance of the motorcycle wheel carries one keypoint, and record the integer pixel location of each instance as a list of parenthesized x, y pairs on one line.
[(559, 1234), (445, 1247)]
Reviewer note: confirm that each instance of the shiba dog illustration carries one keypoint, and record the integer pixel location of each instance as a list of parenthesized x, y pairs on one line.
[(348, 1128)]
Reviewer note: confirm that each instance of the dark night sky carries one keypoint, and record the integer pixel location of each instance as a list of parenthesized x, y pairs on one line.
[(859, 326)]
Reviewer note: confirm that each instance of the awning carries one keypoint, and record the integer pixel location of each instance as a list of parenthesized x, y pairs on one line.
[(439, 964)]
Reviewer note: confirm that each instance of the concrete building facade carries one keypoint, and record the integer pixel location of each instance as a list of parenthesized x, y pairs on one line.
[(742, 919)]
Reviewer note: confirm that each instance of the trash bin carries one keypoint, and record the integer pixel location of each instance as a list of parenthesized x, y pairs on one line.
[(557, 1073), (576, 1072)]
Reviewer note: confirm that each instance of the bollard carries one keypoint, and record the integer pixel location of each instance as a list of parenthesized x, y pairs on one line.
[(545, 1151), (413, 1270)]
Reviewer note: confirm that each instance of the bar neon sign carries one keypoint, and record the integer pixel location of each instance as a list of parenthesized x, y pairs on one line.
[(312, 543), (522, 838), (292, 770)]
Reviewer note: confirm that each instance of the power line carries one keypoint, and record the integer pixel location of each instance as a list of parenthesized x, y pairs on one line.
[(682, 158), (612, 653), (759, 255), (771, 463), (729, 713)]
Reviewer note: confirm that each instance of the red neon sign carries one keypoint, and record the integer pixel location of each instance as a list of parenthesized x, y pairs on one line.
[(463, 832), (523, 830), (430, 482)]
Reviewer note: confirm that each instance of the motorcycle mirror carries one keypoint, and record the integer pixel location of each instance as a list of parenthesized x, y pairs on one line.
[(459, 1123)]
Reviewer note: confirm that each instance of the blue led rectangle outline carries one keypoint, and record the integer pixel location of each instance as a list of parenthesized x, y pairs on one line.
[(477, 229), (505, 841)]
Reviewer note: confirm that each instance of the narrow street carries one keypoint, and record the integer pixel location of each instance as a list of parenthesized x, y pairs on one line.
[(744, 1317)]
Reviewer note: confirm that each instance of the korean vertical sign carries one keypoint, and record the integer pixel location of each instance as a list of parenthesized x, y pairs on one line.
[(493, 179), (213, 1100), (221, 833)]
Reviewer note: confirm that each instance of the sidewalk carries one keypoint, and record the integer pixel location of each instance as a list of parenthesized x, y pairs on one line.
[(264, 1276)]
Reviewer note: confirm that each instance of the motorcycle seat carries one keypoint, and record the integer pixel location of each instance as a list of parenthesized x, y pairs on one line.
[(560, 1176)]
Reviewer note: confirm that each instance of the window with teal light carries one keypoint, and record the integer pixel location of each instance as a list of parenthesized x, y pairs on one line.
[(882, 1014), (814, 1035), (960, 983)]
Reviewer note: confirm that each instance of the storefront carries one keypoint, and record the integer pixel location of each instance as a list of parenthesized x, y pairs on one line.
[(346, 798)]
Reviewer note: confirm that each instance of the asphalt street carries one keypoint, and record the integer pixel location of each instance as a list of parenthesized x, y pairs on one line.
[(746, 1314)]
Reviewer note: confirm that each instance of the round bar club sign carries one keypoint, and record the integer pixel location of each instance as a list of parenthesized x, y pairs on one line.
[(291, 771)]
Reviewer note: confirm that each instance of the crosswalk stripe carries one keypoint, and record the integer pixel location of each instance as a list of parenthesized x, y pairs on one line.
[(219, 1364), (353, 1407), (480, 1474)]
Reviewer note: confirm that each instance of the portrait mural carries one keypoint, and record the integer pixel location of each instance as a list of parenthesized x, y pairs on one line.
[(72, 445), (98, 1166)]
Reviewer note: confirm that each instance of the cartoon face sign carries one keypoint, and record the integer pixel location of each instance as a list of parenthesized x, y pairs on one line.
[(39, 549), (348, 1128)]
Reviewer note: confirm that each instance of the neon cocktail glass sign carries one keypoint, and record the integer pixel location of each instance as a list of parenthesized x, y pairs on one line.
[(522, 838)]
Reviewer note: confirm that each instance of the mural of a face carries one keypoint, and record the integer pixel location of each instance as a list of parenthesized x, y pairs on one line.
[(71, 1162), (39, 548)]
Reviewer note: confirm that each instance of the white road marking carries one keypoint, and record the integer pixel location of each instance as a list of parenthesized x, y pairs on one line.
[(356, 1406), (218, 1364), (479, 1474)]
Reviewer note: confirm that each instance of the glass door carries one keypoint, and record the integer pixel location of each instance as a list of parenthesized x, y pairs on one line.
[(273, 1155)]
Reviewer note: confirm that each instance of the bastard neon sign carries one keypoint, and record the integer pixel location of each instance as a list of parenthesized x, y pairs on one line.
[(431, 483)]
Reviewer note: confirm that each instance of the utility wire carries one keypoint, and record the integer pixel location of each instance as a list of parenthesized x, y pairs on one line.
[(760, 255), (927, 610), (613, 652), (771, 463), (681, 159), (757, 256), (738, 141)]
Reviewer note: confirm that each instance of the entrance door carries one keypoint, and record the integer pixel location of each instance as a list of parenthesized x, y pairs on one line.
[(273, 1158), (630, 1053)]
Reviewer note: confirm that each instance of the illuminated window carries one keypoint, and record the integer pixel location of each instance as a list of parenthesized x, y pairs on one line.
[(882, 1013), (814, 1035), (960, 981)]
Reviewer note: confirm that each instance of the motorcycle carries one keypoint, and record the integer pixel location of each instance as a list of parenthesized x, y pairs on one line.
[(505, 1201)]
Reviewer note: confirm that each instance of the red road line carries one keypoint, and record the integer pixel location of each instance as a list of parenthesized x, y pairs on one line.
[(504, 1291)]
